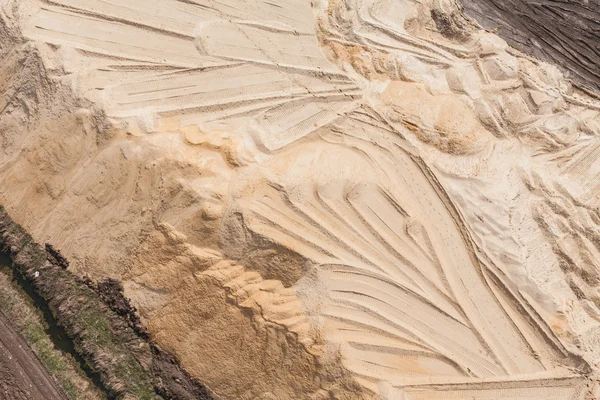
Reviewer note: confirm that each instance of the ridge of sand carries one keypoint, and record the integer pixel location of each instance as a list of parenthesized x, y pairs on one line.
[(358, 199)]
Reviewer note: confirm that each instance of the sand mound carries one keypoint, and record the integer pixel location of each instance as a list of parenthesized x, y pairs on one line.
[(350, 199)]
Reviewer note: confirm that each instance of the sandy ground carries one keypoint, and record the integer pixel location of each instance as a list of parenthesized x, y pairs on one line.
[(349, 199), (22, 377)]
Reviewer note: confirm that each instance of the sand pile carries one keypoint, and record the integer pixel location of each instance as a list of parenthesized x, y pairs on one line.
[(343, 199)]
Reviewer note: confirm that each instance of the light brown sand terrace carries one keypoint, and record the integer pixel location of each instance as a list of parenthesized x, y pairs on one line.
[(343, 199)]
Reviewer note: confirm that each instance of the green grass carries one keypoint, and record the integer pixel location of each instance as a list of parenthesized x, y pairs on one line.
[(96, 333), (132, 371)]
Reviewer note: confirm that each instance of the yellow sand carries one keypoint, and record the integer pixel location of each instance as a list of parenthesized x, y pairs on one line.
[(326, 200)]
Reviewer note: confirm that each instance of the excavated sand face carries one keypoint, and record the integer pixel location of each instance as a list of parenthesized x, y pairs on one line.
[(359, 199)]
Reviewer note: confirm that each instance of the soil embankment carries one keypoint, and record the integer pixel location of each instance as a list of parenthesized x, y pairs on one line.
[(29, 317), (103, 327)]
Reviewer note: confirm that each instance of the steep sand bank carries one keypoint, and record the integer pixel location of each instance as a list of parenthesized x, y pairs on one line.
[(359, 199)]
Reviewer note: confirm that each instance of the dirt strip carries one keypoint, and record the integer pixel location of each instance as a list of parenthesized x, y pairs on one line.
[(22, 377), (565, 32)]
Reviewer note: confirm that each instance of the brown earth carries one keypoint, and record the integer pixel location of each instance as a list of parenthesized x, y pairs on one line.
[(563, 32), (103, 326), (174, 382), (22, 377)]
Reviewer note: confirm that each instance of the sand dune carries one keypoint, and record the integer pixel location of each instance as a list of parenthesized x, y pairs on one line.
[(343, 199)]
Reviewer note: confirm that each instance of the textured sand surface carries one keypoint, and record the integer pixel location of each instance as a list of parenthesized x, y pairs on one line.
[(343, 199)]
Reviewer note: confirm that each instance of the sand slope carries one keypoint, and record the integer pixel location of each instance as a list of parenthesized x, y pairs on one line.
[(345, 199)]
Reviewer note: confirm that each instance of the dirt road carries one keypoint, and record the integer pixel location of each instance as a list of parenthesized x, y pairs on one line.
[(22, 377)]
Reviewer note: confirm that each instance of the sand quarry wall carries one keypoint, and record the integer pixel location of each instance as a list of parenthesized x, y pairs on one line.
[(345, 199)]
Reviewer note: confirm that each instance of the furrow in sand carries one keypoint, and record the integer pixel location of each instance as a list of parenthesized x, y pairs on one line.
[(371, 280), (296, 13), (346, 321), (542, 344), (288, 123), (367, 249), (97, 37), (481, 306), (334, 245), (149, 15), (243, 109), (461, 350), (528, 387), (489, 295), (422, 271), (344, 213), (580, 165), (231, 85)]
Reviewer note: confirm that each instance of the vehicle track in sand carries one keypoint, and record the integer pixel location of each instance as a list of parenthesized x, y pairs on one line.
[(292, 179), (22, 377)]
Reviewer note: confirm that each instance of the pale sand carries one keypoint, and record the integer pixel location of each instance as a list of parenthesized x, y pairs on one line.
[(343, 201)]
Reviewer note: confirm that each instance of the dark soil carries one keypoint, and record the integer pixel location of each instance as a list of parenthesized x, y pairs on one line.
[(563, 32), (55, 257), (104, 328), (111, 293), (175, 383)]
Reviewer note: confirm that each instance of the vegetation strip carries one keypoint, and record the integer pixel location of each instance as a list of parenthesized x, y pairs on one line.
[(36, 324), (109, 337)]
